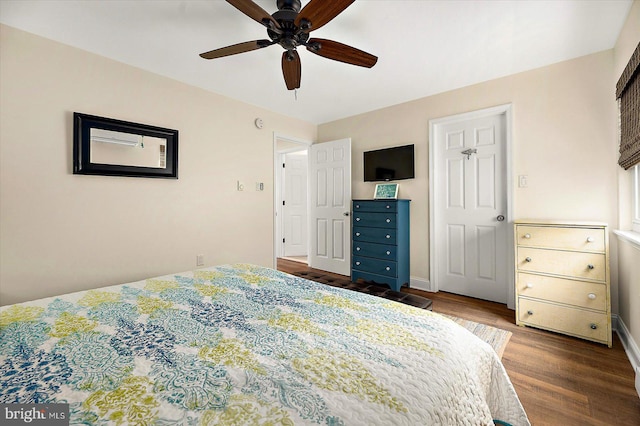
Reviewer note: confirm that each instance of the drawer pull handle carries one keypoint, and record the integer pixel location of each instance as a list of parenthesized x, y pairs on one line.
[(590, 239), (592, 296), (388, 252), (357, 263), (529, 312), (527, 259), (529, 285), (357, 234), (387, 268), (388, 236), (527, 236), (590, 266), (594, 326), (357, 248), (388, 220)]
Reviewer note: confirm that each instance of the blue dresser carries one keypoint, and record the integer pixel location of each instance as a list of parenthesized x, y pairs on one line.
[(380, 242)]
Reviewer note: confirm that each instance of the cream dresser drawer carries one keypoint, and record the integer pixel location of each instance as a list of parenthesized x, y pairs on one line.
[(590, 266), (580, 239), (563, 279), (571, 292), (568, 320)]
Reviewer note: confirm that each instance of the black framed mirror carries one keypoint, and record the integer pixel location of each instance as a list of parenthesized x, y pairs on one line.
[(109, 147)]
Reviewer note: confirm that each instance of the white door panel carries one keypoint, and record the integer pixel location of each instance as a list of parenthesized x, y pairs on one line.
[(470, 243), (330, 186), (294, 209)]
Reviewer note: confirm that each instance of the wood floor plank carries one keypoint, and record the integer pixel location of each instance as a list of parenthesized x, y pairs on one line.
[(560, 380)]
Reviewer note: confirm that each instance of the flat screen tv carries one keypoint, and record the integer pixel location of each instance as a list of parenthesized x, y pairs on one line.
[(389, 164)]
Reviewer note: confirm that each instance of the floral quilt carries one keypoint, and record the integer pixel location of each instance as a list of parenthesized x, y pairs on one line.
[(247, 345)]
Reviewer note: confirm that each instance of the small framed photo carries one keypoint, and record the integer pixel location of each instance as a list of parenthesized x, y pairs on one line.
[(386, 191)]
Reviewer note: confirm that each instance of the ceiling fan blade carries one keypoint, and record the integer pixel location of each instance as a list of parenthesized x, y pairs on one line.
[(319, 12), (291, 69), (255, 12), (234, 49), (341, 52)]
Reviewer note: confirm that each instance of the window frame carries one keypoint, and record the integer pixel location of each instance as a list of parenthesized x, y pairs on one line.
[(635, 198)]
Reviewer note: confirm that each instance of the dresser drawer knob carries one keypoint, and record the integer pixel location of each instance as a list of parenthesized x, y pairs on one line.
[(357, 206), (592, 296), (590, 266), (529, 285), (590, 239), (388, 236), (357, 263), (529, 312), (357, 219), (357, 248), (357, 234), (527, 259), (388, 206), (388, 220), (594, 326), (527, 236), (387, 268), (388, 252)]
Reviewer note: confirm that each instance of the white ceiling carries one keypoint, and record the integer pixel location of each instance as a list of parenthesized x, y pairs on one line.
[(424, 46)]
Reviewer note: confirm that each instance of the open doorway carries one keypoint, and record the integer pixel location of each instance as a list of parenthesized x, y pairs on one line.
[(291, 199)]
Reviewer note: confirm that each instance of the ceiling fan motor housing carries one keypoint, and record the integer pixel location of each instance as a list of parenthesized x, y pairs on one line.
[(289, 5), (289, 36)]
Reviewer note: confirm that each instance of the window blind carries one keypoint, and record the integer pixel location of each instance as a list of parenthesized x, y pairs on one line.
[(628, 91)]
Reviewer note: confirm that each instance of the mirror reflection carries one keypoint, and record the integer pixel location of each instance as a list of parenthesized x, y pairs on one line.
[(127, 149)]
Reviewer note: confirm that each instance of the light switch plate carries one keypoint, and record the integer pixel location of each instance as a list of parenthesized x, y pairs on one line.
[(523, 181)]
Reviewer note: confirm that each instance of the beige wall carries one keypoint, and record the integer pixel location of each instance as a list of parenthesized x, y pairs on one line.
[(564, 119), (62, 232), (629, 257)]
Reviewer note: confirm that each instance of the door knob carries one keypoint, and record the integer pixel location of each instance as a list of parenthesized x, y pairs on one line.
[(500, 218), (345, 214)]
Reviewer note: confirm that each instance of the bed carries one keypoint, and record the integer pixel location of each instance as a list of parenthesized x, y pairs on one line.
[(242, 344)]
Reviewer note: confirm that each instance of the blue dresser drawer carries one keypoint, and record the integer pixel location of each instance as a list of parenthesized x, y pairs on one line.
[(380, 248), (374, 206), (374, 235), (376, 220), (380, 251), (375, 266)]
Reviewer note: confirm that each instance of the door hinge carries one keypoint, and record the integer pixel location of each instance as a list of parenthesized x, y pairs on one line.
[(283, 165), (283, 240), (283, 202)]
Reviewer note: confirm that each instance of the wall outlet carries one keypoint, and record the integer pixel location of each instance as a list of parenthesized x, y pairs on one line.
[(638, 380), (259, 186), (240, 186), (200, 260)]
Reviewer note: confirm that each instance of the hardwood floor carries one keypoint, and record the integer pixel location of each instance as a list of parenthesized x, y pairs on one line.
[(560, 380)]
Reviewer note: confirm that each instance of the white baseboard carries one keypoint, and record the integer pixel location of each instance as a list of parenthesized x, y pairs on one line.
[(420, 284), (630, 346)]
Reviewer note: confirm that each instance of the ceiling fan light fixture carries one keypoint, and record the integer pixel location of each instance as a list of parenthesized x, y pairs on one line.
[(289, 27)]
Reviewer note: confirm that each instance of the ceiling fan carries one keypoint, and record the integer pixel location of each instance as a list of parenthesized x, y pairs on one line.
[(290, 27)]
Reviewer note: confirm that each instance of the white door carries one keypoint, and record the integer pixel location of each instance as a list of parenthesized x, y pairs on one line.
[(330, 204), (470, 197), (294, 208)]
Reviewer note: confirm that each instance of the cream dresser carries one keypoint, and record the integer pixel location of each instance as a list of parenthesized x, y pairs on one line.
[(563, 278)]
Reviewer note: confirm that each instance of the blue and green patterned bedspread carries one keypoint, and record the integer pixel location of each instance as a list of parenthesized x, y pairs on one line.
[(247, 345)]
